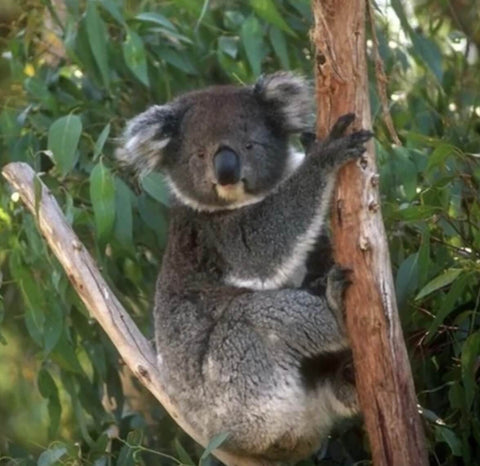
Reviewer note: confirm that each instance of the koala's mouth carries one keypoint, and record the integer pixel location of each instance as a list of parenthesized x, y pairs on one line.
[(232, 192)]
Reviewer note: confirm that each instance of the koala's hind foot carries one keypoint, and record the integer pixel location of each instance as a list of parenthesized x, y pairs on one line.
[(344, 387), (338, 280)]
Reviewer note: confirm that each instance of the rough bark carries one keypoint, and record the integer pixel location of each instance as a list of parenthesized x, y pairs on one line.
[(383, 374), (102, 304)]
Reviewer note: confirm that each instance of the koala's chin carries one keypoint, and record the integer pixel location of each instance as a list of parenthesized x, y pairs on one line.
[(234, 193)]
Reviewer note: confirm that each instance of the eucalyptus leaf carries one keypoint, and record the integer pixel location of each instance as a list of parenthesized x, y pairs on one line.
[(252, 40), (135, 56), (100, 142), (102, 195), (470, 363), (267, 10), (97, 38), (438, 282), (214, 443), (52, 456), (154, 184), (63, 137)]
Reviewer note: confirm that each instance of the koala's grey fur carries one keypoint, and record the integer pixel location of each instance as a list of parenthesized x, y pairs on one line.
[(238, 350)]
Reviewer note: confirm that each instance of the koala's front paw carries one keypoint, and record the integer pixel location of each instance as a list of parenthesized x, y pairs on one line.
[(354, 143), (338, 280)]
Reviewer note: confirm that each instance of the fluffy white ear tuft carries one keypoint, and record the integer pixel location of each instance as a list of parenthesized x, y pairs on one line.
[(291, 95), (145, 137)]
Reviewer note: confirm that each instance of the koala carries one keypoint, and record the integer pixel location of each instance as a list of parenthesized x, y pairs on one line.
[(240, 349)]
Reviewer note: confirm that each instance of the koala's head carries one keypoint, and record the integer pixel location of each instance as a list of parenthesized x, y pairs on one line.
[(225, 146)]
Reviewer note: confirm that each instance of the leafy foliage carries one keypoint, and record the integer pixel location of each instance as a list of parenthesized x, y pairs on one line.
[(75, 70)]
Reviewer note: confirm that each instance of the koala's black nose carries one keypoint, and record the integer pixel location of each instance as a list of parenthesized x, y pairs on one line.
[(227, 166)]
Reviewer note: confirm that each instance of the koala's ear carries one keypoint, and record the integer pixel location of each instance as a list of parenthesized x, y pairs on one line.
[(146, 136), (291, 96)]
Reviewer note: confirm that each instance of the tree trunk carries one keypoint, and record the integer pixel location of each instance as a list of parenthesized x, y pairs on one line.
[(383, 375)]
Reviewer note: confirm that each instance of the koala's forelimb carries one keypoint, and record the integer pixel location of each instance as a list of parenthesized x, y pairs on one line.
[(295, 213)]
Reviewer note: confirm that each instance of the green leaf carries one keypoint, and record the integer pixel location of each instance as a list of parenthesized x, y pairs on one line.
[(228, 45), (179, 61), (448, 304), (439, 282), (407, 278), (97, 38), (102, 195), (53, 326), (48, 389), (123, 221), (214, 443), (470, 360), (279, 44), (443, 434), (156, 18), (52, 456), (440, 154), (267, 10), (154, 184), (100, 142), (2, 315), (429, 53), (182, 454), (112, 9), (64, 355), (135, 57), (252, 40), (405, 172), (152, 216), (63, 137)]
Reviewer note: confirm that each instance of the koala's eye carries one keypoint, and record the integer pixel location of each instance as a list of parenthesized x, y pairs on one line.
[(200, 154), (249, 145)]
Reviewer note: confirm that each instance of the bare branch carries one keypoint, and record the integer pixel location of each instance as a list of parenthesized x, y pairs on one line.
[(83, 273)]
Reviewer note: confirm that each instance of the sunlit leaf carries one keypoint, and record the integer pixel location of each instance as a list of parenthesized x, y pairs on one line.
[(251, 35), (52, 456), (267, 10), (135, 57), (63, 137), (442, 280), (214, 443), (123, 229), (102, 195), (154, 184), (100, 142), (279, 44), (97, 38), (156, 18)]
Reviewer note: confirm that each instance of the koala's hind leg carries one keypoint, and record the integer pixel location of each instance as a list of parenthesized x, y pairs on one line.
[(338, 280)]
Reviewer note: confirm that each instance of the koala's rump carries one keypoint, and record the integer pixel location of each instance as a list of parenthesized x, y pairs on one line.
[(229, 369)]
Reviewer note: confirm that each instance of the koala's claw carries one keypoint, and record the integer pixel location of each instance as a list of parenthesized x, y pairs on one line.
[(338, 280), (341, 125), (361, 137), (355, 143)]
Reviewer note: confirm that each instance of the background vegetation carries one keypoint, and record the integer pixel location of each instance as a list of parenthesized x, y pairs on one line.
[(72, 72)]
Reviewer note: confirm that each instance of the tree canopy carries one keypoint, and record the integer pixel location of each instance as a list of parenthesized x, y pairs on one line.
[(73, 71)]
